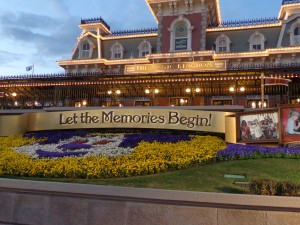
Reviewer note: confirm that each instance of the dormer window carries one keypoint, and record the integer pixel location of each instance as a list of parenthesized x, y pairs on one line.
[(181, 35), (256, 45), (86, 50), (85, 47), (297, 36), (117, 51), (222, 44), (144, 48), (295, 33), (257, 42)]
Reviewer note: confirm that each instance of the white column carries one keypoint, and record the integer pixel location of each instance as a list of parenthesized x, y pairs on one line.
[(99, 43)]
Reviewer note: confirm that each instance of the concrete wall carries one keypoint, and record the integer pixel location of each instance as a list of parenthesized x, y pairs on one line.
[(50, 203)]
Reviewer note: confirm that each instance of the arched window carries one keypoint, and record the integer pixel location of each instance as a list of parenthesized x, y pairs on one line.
[(181, 35), (86, 47), (117, 51), (144, 48), (257, 42), (86, 50), (295, 33), (222, 44)]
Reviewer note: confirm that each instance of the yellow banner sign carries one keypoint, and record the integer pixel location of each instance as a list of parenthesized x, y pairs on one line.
[(178, 67), (116, 118)]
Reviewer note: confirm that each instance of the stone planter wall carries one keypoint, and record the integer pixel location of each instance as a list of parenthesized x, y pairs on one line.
[(50, 203)]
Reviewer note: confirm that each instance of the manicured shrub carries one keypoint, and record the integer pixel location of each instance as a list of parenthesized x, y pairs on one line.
[(271, 187)]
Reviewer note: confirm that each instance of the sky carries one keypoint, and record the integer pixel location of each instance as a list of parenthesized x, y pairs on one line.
[(41, 32)]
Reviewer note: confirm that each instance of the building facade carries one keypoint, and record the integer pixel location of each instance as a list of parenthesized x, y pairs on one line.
[(192, 58)]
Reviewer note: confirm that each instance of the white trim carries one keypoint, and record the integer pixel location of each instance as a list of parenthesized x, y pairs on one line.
[(190, 28), (294, 40), (226, 39), (262, 41), (140, 48), (112, 50), (83, 41)]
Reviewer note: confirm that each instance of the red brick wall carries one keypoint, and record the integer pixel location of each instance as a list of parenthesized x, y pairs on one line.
[(195, 20)]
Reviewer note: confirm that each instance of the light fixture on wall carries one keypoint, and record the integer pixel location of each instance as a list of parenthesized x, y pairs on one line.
[(241, 89), (114, 96), (259, 104), (192, 90), (152, 93), (235, 90), (117, 92)]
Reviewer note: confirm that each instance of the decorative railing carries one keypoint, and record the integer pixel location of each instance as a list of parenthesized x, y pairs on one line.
[(132, 32), (230, 67), (284, 2), (247, 22), (95, 20), (263, 66), (60, 75)]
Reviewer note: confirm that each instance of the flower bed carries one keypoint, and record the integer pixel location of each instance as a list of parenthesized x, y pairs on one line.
[(53, 145), (164, 153), (76, 143), (95, 155), (236, 151)]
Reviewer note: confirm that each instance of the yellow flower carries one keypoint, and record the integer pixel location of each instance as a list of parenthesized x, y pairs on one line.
[(147, 158)]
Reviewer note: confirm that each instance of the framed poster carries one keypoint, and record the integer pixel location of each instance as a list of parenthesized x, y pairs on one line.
[(258, 126), (290, 125)]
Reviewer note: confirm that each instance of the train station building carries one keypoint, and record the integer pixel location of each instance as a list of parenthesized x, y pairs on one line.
[(192, 58)]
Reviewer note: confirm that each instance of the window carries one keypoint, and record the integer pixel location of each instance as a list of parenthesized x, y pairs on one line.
[(222, 44), (181, 35), (257, 42), (117, 51), (297, 36), (295, 33), (85, 47), (86, 51), (144, 49), (256, 45)]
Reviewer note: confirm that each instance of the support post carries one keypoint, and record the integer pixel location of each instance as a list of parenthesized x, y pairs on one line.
[(262, 90)]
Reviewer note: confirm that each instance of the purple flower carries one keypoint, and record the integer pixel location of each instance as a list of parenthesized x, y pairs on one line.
[(132, 140), (49, 154), (53, 137), (72, 146), (236, 151)]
